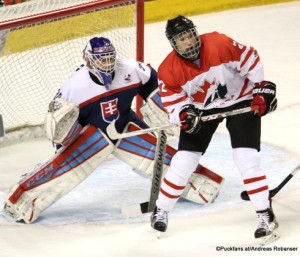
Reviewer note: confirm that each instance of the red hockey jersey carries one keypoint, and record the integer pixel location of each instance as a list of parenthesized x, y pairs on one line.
[(223, 75)]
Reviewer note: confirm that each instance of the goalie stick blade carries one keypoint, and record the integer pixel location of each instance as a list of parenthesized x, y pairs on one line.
[(135, 210)]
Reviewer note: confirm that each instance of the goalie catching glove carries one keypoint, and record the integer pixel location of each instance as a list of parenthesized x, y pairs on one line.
[(264, 96), (155, 115), (61, 124)]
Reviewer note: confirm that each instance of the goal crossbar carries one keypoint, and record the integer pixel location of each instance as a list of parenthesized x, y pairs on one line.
[(60, 12)]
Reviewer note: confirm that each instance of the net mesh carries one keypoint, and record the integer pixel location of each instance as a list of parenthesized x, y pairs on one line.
[(37, 58)]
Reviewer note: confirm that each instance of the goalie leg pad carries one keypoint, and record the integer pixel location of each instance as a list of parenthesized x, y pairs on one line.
[(203, 186), (139, 151), (39, 189)]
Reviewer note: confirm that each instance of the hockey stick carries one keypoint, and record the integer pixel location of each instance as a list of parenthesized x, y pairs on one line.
[(114, 134), (274, 191), (159, 158), (158, 168)]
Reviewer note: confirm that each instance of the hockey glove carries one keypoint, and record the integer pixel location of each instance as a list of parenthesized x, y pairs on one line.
[(190, 118), (264, 96)]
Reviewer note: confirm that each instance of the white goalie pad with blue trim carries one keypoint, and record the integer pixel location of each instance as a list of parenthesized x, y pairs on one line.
[(139, 151), (50, 181)]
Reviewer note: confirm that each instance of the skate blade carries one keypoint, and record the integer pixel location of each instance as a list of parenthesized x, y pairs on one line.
[(269, 239), (158, 234)]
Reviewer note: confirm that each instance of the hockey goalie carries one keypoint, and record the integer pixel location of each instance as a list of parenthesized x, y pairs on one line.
[(99, 92)]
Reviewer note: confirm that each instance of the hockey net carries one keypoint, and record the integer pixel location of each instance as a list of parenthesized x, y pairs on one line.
[(41, 44)]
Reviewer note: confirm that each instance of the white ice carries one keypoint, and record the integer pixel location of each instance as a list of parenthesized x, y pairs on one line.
[(88, 221)]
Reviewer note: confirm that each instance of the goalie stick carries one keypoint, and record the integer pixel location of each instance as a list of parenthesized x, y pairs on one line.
[(114, 134), (158, 168), (274, 191), (149, 206)]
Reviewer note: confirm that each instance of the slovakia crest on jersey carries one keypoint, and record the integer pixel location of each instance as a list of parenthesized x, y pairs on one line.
[(109, 110)]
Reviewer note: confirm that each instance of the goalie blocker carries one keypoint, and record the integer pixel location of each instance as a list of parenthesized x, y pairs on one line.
[(38, 190)]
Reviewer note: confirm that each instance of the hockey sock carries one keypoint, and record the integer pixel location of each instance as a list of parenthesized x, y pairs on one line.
[(254, 178), (176, 178)]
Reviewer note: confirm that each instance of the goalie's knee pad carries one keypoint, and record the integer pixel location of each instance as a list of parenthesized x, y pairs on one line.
[(203, 186), (139, 152), (37, 190)]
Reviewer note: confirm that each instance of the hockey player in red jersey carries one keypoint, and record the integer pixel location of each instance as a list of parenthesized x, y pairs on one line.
[(99, 92), (207, 74)]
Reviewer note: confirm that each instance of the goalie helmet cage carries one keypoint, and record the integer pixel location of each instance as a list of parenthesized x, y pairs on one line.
[(41, 45)]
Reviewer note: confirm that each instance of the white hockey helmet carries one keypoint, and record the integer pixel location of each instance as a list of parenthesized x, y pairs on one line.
[(100, 55)]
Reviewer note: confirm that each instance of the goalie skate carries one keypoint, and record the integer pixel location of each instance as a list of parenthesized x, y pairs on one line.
[(267, 229)]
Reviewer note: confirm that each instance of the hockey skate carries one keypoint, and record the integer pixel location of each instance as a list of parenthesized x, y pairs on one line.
[(159, 220), (266, 231)]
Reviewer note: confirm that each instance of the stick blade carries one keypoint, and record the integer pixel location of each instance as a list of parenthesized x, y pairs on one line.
[(135, 210), (245, 196)]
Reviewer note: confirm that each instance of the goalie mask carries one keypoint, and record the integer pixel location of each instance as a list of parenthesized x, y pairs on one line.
[(183, 37), (100, 55)]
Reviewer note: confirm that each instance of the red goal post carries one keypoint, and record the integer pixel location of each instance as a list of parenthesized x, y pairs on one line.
[(41, 45)]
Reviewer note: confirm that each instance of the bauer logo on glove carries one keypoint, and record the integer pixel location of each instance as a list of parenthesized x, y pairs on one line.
[(264, 97)]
